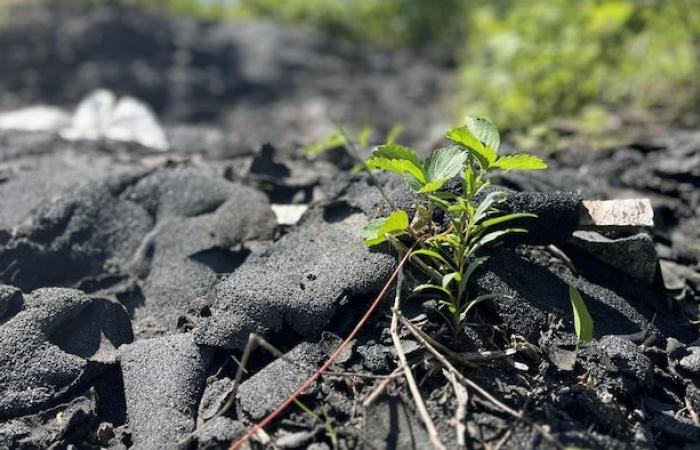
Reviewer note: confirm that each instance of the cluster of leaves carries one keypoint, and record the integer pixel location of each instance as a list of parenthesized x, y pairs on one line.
[(449, 248), (531, 63), (527, 63)]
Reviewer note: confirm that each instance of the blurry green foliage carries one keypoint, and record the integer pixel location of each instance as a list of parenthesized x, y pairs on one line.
[(532, 66), (417, 23), (530, 61), (526, 62)]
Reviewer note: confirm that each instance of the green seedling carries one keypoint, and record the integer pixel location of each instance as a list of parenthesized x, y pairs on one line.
[(331, 432), (583, 322), (449, 249), (339, 138)]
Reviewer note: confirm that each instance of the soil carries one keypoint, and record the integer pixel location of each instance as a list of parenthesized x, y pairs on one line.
[(131, 277)]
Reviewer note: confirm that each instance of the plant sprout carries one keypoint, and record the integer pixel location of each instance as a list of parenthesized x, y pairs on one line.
[(450, 249)]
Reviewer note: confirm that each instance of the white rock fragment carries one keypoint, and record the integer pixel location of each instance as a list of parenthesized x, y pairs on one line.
[(288, 214), (35, 118), (617, 213)]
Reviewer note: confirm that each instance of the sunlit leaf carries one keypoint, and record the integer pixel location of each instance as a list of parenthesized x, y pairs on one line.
[(333, 140), (464, 137), (485, 131), (374, 232), (583, 322), (504, 218), (448, 278), (427, 286), (441, 165), (519, 161), (400, 160), (364, 136), (432, 254), (394, 133), (487, 203)]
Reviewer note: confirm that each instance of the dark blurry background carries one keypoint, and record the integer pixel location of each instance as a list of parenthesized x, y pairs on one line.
[(546, 71)]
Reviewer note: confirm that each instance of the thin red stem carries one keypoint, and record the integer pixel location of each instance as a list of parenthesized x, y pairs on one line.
[(315, 375)]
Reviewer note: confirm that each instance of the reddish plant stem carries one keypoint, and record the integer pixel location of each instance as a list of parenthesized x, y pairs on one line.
[(317, 374)]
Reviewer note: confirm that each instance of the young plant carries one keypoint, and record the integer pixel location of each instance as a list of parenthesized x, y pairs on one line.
[(450, 242), (583, 322)]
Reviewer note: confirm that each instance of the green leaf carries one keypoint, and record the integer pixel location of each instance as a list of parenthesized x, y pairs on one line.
[(492, 237), (444, 163), (364, 136), (447, 279), (519, 161), (504, 218), (394, 133), (400, 160), (432, 254), (485, 131), (396, 151), (464, 137), (441, 165), (583, 322), (333, 140), (469, 181), (475, 301), (374, 232), (487, 203), (427, 286), (470, 270)]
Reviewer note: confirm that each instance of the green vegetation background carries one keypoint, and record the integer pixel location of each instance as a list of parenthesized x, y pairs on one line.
[(533, 66)]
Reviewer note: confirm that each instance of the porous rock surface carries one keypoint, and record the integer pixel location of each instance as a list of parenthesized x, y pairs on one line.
[(163, 381), (59, 338), (101, 238), (261, 393), (299, 282)]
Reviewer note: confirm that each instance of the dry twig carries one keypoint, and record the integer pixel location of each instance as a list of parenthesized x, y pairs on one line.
[(317, 374), (410, 380), (461, 412)]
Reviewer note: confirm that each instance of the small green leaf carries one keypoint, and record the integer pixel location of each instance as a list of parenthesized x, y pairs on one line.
[(492, 237), (374, 232), (432, 254), (469, 181), (470, 270), (333, 140), (464, 137), (400, 160), (364, 136), (447, 279), (396, 151), (422, 219), (505, 218), (428, 286), (519, 161), (444, 163), (485, 131), (583, 322), (487, 203), (475, 301), (394, 133), (441, 165)]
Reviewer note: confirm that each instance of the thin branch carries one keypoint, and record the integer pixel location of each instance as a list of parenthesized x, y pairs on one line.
[(410, 380), (461, 412), (316, 375), (483, 392), (448, 365), (367, 402)]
